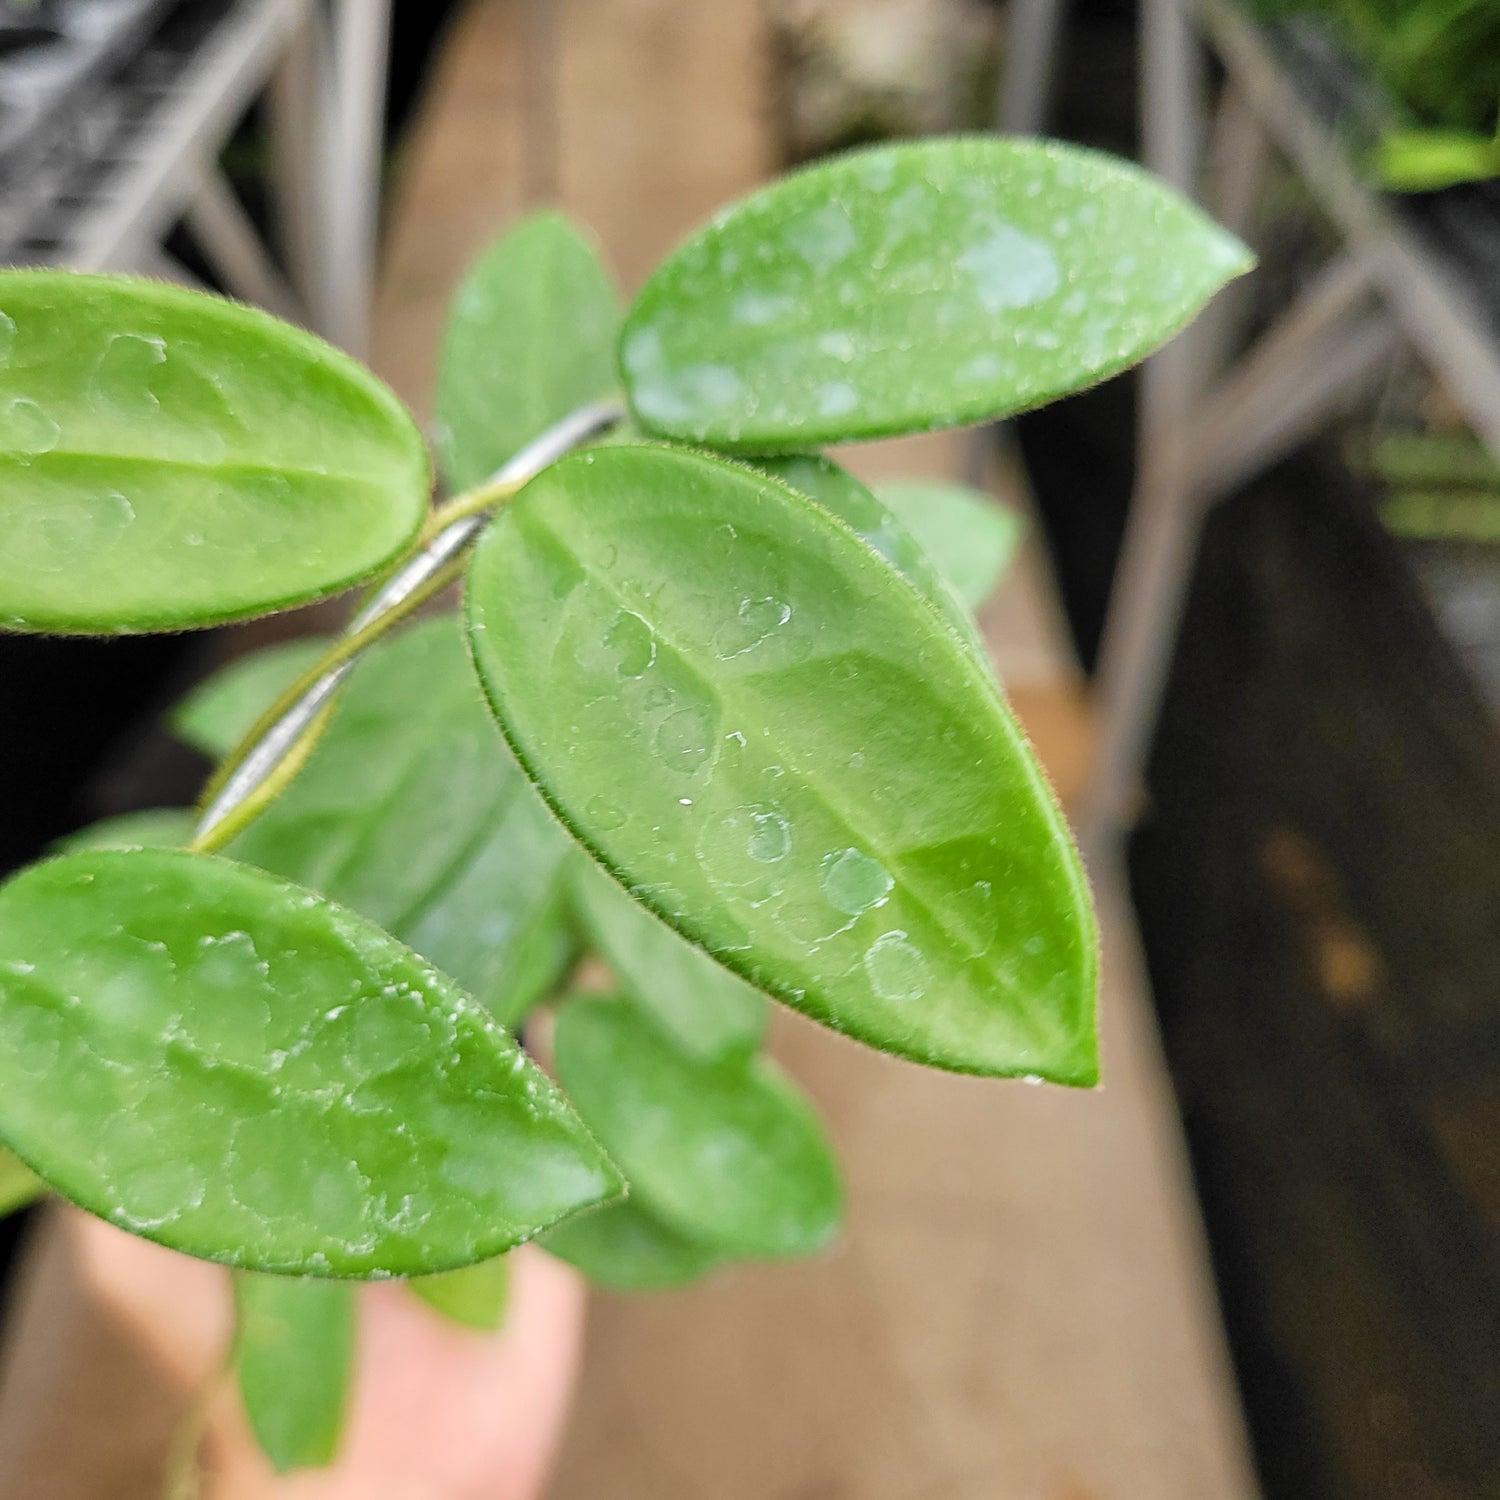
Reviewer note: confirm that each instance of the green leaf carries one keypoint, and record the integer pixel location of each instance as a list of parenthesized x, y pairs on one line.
[(915, 286), (412, 811), (236, 1067), (968, 536), (530, 338), (728, 1154), (699, 1004), (151, 828), (772, 741), (169, 459), (875, 522), (19, 1185), (218, 713), (623, 1247), (474, 1296), (1422, 161), (294, 1355)]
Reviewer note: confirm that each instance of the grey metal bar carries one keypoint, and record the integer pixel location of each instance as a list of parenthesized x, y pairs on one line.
[(152, 190), (1031, 38), (228, 238), (350, 169)]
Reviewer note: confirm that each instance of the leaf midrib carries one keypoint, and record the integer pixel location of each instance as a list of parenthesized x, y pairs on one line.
[(204, 467)]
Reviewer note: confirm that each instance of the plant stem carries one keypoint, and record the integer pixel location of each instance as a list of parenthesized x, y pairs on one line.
[(269, 756)]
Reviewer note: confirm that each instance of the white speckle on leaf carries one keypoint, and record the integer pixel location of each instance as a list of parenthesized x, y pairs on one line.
[(1009, 268), (822, 237), (754, 309), (837, 399)]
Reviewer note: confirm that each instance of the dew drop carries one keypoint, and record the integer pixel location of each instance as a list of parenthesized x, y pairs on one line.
[(896, 969), (770, 838), (853, 882), (739, 850), (26, 429), (112, 511), (630, 641), (683, 739), (7, 336), (125, 371), (624, 652), (754, 621)]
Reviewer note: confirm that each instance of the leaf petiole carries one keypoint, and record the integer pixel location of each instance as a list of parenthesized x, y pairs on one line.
[(270, 754)]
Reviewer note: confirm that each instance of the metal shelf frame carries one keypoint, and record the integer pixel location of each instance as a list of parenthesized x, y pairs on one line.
[(321, 65)]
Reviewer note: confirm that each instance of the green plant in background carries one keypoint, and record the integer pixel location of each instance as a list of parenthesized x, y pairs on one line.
[(771, 757), (1437, 486), (1439, 61)]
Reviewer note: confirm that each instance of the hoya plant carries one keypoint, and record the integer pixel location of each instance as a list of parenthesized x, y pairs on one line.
[(711, 711)]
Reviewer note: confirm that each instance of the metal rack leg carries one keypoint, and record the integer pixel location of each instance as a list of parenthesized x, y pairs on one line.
[(1161, 533), (1030, 54), (360, 38), (227, 236), (295, 132)]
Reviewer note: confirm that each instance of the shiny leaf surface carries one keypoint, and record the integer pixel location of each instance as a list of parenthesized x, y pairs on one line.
[(915, 286), (238, 1068), (728, 1154), (294, 1356), (473, 1296), (530, 337), (875, 522), (968, 537), (625, 1248), (412, 811), (775, 743), (169, 459), (699, 1004)]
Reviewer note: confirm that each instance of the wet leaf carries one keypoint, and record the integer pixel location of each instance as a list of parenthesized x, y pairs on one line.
[(235, 1067), (19, 1185), (967, 536), (774, 742), (218, 713), (294, 1355), (623, 1247), (474, 1297), (915, 286), (169, 459), (870, 518), (699, 1004), (530, 338), (412, 811), (151, 828), (728, 1154)]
